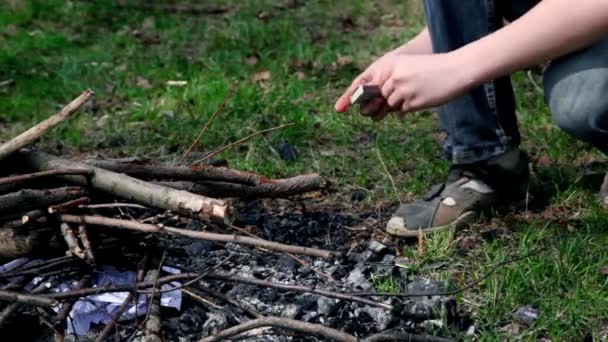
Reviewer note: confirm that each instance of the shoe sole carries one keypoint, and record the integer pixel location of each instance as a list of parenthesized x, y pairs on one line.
[(396, 226)]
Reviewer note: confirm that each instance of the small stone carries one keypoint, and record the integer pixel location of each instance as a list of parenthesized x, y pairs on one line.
[(286, 264), (290, 311), (195, 225), (359, 280), (167, 114), (216, 322), (309, 316), (286, 151), (382, 317), (377, 247), (358, 195), (526, 314), (326, 305), (364, 256)]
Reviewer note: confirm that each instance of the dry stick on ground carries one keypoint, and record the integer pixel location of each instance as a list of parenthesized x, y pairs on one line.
[(275, 188), (86, 244), (149, 228), (28, 199), (240, 141), (229, 300), (312, 329), (193, 173), (71, 241), (113, 205), (32, 134), (206, 127), (308, 328), (132, 189), (297, 288), (32, 216), (38, 300), (63, 207), (42, 174)]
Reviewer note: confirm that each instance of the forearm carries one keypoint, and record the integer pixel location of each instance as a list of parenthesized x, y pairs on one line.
[(551, 29), (419, 45)]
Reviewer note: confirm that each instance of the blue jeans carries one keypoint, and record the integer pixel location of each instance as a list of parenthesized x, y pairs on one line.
[(482, 123)]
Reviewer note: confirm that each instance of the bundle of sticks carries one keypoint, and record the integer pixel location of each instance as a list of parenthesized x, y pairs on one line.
[(47, 198)]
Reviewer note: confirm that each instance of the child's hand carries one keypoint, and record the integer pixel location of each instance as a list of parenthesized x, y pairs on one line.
[(409, 83)]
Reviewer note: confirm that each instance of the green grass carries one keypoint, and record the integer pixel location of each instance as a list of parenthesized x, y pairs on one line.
[(52, 50)]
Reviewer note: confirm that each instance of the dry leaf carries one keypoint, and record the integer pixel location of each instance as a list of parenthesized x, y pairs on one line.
[(263, 15), (251, 60), (604, 270), (143, 83), (261, 76), (300, 75)]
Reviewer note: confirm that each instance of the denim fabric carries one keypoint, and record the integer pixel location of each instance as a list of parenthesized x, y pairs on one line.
[(482, 123)]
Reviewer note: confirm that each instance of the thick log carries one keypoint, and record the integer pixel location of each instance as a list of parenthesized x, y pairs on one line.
[(193, 173), (150, 228), (276, 188), (25, 200), (17, 242), (32, 134), (136, 190)]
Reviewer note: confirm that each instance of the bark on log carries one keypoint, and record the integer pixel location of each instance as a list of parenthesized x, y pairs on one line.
[(132, 189), (276, 188), (150, 228), (17, 242), (38, 300), (28, 199), (37, 131), (152, 329), (193, 173)]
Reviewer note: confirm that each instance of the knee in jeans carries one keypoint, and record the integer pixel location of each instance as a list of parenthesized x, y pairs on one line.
[(577, 109)]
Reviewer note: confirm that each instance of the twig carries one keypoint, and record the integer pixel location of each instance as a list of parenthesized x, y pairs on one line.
[(300, 326), (201, 299), (272, 188), (38, 300), (32, 134), (206, 127), (63, 207), (152, 331), (32, 216), (86, 244), (240, 141), (42, 174), (10, 309), (242, 306), (71, 241), (149, 228), (297, 288), (111, 206)]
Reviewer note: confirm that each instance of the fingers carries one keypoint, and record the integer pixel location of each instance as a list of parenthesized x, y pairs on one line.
[(344, 101), (372, 107)]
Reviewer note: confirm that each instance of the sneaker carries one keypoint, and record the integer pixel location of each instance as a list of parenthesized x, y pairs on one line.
[(469, 191)]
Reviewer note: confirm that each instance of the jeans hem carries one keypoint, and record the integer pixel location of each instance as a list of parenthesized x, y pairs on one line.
[(473, 154)]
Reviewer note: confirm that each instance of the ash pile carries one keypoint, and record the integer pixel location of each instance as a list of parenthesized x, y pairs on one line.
[(134, 250)]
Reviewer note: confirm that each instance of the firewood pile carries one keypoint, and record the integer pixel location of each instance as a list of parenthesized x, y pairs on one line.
[(65, 218)]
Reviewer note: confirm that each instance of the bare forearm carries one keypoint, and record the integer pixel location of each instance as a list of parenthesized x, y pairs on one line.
[(551, 29), (419, 45)]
